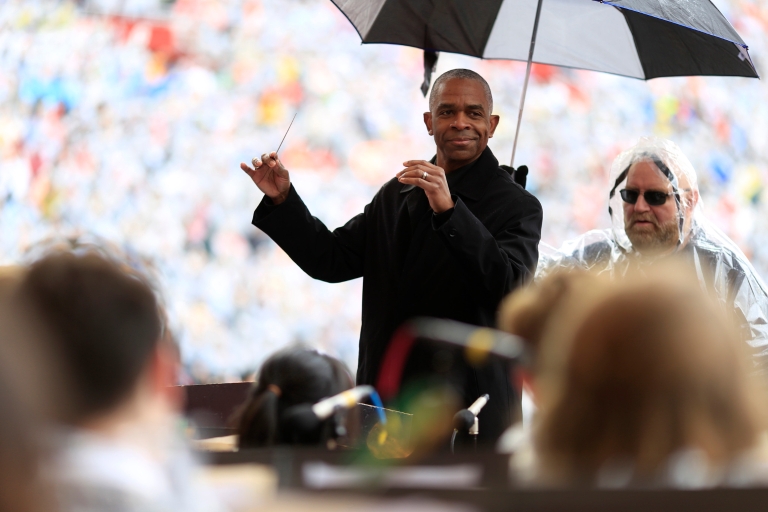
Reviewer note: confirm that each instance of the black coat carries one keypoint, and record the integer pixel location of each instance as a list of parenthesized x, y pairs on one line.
[(456, 265)]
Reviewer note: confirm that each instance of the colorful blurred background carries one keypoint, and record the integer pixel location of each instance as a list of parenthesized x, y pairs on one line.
[(127, 119)]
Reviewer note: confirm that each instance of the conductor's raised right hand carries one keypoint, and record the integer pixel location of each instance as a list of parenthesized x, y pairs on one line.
[(270, 176)]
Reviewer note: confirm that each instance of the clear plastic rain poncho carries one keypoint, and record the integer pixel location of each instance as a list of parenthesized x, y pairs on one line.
[(721, 266)]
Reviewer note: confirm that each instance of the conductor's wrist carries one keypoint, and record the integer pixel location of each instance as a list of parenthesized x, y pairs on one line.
[(443, 206), (280, 198)]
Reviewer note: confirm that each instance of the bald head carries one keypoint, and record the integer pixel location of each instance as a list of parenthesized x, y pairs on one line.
[(465, 74)]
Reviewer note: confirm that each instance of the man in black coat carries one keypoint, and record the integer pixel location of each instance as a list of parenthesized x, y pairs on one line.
[(448, 238)]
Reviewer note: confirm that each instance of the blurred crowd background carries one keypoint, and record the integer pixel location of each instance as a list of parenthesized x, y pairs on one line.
[(127, 120)]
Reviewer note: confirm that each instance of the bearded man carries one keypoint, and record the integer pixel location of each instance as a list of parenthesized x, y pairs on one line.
[(656, 212)]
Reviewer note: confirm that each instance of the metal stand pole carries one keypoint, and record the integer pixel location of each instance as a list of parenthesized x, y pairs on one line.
[(525, 84)]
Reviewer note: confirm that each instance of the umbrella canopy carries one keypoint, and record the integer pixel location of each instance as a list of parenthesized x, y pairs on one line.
[(636, 38)]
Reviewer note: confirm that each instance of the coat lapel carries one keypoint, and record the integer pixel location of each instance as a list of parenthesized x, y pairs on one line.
[(472, 184)]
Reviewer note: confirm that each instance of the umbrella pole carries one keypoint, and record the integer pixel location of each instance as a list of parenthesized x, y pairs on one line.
[(527, 76)]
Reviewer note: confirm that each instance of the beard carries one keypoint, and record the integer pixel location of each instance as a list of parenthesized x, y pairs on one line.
[(659, 238)]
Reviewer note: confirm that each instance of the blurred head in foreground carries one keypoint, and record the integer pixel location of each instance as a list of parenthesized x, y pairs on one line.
[(646, 384), (287, 378), (115, 437), (561, 295), (24, 405), (104, 326)]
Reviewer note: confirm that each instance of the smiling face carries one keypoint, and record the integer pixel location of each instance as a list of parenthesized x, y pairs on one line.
[(461, 122), (651, 229)]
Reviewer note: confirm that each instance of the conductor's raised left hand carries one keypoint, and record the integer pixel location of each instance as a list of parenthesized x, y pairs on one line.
[(431, 179)]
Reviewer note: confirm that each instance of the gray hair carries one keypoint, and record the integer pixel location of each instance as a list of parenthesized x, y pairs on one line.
[(465, 74)]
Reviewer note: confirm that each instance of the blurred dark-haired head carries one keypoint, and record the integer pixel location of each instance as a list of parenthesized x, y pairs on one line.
[(288, 378), (25, 401), (101, 322)]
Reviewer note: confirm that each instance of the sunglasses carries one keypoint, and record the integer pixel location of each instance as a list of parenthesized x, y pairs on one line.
[(652, 197)]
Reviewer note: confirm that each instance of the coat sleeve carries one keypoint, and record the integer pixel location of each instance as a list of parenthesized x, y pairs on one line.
[(497, 263), (328, 256)]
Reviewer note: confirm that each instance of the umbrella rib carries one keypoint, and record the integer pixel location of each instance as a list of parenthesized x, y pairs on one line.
[(525, 83)]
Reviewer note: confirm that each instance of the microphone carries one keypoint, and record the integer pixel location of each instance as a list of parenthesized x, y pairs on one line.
[(463, 420), (302, 422), (478, 405), (346, 399), (466, 419), (479, 343)]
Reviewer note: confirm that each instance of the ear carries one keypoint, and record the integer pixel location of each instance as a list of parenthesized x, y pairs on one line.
[(428, 122), (494, 124), (164, 375), (694, 198)]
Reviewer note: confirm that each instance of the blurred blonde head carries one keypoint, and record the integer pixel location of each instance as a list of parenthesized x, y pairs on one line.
[(562, 295), (649, 367)]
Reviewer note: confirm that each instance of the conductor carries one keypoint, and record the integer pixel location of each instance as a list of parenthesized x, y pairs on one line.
[(445, 238)]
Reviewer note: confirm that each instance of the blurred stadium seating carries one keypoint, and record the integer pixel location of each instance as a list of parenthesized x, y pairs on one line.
[(128, 119)]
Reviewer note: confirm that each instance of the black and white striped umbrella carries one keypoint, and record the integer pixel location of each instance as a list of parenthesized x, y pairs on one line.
[(635, 38)]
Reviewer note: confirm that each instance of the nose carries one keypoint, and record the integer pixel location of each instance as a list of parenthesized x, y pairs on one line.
[(460, 121), (641, 205)]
